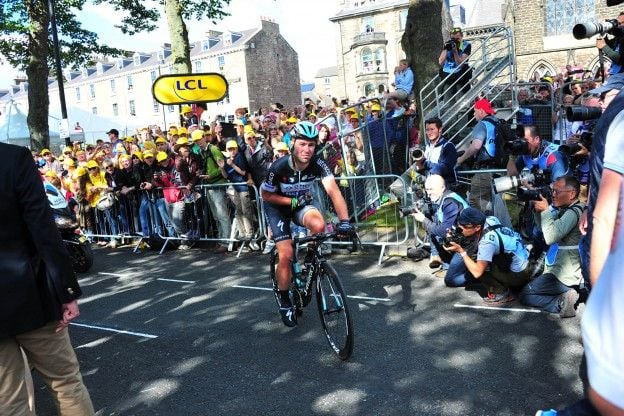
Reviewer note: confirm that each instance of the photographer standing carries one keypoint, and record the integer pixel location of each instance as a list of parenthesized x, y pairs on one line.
[(554, 290), (449, 205), (454, 71), (614, 48), (440, 155), (502, 258), (537, 153)]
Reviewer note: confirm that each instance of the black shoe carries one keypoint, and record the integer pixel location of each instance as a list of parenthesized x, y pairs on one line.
[(417, 253), (289, 316)]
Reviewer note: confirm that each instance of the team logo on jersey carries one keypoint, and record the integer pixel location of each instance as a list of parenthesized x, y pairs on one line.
[(280, 225)]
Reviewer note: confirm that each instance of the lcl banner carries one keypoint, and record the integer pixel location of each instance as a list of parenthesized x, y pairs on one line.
[(189, 88)]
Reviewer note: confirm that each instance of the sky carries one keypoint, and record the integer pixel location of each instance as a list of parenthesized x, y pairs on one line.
[(304, 24)]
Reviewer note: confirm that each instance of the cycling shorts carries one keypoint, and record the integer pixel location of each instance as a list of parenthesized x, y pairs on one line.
[(279, 217)]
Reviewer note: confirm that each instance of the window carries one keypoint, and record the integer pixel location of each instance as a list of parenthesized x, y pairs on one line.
[(402, 19), (368, 24), (92, 90), (94, 110), (112, 85), (153, 75), (137, 59), (130, 85), (367, 61), (77, 93), (156, 106), (379, 60), (369, 89), (562, 15), (171, 108), (327, 80), (132, 107), (115, 109), (198, 66), (221, 62), (205, 45)]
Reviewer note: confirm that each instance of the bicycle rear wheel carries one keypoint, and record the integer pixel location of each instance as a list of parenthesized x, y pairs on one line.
[(334, 312)]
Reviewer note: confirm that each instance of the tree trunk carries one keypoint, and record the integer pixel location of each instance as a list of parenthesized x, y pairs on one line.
[(37, 73), (426, 29), (180, 47)]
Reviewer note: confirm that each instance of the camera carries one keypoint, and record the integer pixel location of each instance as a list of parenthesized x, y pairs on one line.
[(537, 178), (585, 140), (516, 147), (587, 30), (422, 204), (449, 44), (535, 194), (582, 113), (418, 155), (455, 235)]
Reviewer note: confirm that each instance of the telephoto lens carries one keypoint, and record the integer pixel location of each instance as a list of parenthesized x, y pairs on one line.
[(582, 113)]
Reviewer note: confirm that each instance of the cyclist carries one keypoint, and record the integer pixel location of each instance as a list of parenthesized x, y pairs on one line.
[(287, 196)]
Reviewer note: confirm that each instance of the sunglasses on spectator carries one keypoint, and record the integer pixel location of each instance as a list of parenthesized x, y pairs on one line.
[(109, 167), (92, 168)]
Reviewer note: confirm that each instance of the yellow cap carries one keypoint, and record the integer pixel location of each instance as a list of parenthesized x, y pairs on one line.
[(375, 107), (69, 162), (160, 156), (354, 115), (147, 154), (182, 130), (149, 145), (182, 141), (231, 144), (173, 132), (350, 110), (138, 154), (186, 109), (161, 140), (68, 149), (92, 164), (197, 135), (50, 174), (292, 120), (250, 133), (129, 139), (124, 157), (45, 152), (80, 171), (281, 147)]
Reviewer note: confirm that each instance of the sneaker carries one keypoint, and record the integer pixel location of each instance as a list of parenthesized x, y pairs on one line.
[(435, 262), (496, 298), (268, 247), (253, 244), (568, 304), (417, 253), (112, 244), (184, 247), (289, 316), (551, 412)]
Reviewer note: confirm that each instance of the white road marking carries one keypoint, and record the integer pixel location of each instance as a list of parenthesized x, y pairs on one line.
[(114, 274), (497, 308), (349, 296), (176, 280), (118, 331)]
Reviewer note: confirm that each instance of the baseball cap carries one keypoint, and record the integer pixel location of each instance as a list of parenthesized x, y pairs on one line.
[(231, 144), (160, 140), (92, 164), (456, 30), (160, 156), (471, 216), (250, 133), (197, 135), (614, 82), (281, 146), (45, 152), (484, 104), (147, 154), (113, 131), (292, 120)]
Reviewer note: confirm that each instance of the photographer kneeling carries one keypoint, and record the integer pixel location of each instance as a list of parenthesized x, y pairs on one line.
[(502, 258), (554, 290), (449, 205)]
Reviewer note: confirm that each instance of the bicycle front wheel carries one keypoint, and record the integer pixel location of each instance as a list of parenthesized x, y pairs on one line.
[(334, 312)]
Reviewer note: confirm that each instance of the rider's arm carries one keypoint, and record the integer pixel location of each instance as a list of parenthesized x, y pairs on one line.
[(275, 199), (329, 183)]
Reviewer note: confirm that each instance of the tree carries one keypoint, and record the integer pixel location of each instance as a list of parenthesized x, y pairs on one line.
[(426, 28), (26, 44)]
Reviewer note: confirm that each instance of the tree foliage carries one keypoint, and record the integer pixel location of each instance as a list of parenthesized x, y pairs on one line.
[(25, 40)]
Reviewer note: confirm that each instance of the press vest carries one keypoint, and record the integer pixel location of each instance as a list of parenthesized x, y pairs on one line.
[(542, 159), (450, 66), (453, 196)]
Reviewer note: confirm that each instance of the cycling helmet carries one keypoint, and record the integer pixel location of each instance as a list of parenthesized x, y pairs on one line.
[(305, 130)]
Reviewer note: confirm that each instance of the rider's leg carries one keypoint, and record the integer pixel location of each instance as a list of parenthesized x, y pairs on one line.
[(313, 221), (285, 256)]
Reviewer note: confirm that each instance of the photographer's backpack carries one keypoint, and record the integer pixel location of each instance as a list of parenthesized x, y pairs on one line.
[(503, 133)]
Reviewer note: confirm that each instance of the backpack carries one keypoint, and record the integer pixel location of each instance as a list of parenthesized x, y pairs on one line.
[(503, 134), (502, 260)]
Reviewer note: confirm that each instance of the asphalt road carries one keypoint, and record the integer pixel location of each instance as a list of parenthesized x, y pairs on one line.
[(198, 345)]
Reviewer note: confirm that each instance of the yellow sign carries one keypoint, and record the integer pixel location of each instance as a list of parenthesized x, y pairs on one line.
[(189, 88)]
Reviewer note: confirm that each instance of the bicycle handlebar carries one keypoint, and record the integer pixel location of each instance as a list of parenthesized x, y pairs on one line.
[(321, 237)]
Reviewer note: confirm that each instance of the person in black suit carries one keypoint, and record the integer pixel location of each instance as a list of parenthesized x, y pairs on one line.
[(38, 292)]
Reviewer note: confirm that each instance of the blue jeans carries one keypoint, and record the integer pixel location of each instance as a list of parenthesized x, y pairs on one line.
[(161, 207), (107, 217), (456, 272), (544, 292), (145, 214), (220, 211)]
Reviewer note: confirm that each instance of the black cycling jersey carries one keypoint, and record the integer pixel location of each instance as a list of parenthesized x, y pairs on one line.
[(283, 179)]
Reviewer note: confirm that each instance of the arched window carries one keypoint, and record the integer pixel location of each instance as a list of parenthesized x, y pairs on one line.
[(369, 89), (562, 15), (380, 65), (540, 70), (367, 61)]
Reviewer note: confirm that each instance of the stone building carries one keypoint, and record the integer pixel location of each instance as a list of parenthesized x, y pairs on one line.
[(259, 65), (543, 34)]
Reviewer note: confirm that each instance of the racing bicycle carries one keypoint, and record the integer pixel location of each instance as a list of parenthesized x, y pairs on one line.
[(319, 277)]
